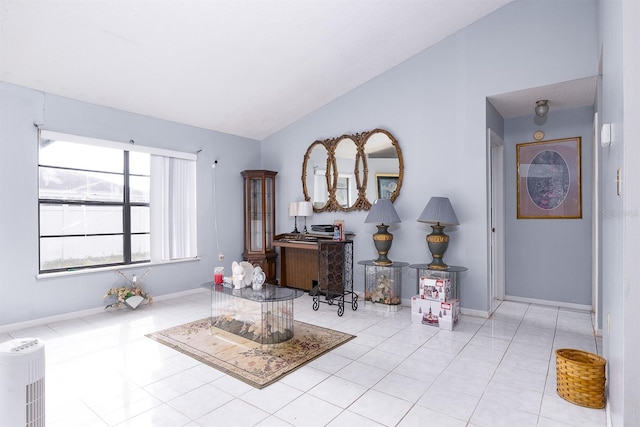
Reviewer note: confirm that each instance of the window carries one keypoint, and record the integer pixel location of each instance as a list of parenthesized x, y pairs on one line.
[(104, 203), (342, 191)]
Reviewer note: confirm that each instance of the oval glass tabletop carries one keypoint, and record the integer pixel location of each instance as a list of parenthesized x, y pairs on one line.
[(268, 292)]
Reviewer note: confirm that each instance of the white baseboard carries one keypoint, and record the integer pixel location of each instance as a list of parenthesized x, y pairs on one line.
[(581, 307), (465, 311), (51, 319), (82, 313), (474, 313), (180, 294)]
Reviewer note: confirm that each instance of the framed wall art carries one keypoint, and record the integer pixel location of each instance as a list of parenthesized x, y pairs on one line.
[(386, 184), (549, 182)]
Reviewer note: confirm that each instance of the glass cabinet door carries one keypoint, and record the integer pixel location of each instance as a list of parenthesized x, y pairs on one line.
[(255, 214), (269, 217)]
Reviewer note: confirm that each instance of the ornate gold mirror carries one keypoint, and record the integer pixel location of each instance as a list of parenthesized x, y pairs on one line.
[(317, 177), (349, 172)]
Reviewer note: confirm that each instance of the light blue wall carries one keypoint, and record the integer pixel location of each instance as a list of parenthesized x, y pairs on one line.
[(550, 259), (24, 297), (435, 106), (494, 120), (612, 205), (619, 105)]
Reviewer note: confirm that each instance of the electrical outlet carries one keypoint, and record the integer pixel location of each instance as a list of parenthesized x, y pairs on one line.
[(220, 257)]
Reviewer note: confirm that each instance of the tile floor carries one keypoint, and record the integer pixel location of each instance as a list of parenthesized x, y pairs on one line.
[(102, 371)]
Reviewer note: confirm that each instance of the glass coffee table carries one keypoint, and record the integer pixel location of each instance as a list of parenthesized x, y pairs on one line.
[(264, 316)]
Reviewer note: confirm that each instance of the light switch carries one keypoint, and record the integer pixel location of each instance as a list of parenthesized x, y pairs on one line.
[(605, 135)]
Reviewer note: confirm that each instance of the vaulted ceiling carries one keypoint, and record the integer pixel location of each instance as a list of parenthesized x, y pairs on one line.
[(243, 67)]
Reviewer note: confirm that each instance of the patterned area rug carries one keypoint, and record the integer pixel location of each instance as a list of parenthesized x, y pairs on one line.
[(256, 364)]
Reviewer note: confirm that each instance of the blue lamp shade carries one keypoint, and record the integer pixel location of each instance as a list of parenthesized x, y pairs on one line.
[(382, 213), (439, 210), (440, 213)]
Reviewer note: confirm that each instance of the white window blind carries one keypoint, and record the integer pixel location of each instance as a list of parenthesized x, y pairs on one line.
[(173, 207)]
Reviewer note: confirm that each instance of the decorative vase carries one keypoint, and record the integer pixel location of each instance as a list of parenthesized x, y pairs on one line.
[(438, 242), (382, 240)]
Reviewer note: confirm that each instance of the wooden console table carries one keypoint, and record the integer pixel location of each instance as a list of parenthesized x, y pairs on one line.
[(300, 261)]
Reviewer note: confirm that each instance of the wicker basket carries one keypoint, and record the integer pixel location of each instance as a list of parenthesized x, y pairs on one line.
[(580, 377)]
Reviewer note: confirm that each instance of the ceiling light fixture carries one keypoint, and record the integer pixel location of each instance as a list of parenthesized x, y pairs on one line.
[(542, 108)]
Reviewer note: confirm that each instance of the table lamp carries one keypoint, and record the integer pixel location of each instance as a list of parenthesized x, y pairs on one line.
[(305, 209), (293, 211), (382, 213), (440, 212)]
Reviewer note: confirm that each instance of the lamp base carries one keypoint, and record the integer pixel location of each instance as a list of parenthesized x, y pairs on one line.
[(295, 225), (382, 241), (434, 265), (438, 242)]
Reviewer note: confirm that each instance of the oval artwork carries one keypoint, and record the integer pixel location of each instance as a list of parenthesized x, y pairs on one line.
[(548, 180)]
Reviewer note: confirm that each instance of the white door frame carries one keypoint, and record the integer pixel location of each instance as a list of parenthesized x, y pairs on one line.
[(496, 215), (595, 224)]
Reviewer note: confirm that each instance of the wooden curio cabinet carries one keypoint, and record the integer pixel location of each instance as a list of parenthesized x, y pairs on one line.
[(260, 220)]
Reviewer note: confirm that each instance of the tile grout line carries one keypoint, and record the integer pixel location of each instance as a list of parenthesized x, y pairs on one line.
[(501, 359)]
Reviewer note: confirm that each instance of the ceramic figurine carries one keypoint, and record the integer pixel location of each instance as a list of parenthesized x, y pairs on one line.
[(248, 273), (242, 274), (238, 275), (258, 278)]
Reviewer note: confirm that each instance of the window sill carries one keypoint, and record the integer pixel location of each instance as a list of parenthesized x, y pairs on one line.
[(111, 268)]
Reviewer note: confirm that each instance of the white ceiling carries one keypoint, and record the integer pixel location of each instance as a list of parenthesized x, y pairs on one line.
[(561, 96), (244, 67)]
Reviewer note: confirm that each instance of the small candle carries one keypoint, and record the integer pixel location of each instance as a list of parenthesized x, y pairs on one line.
[(218, 278)]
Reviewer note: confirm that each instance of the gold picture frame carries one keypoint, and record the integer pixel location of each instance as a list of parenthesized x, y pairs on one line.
[(548, 179), (386, 184)]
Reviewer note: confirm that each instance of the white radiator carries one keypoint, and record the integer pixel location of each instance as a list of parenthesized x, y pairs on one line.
[(22, 368)]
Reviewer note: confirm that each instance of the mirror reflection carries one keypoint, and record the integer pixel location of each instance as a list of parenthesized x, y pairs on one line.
[(351, 171), (346, 191), (383, 164), (316, 181)]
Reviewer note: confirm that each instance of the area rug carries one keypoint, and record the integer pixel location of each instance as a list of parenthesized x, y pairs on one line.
[(256, 364)]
